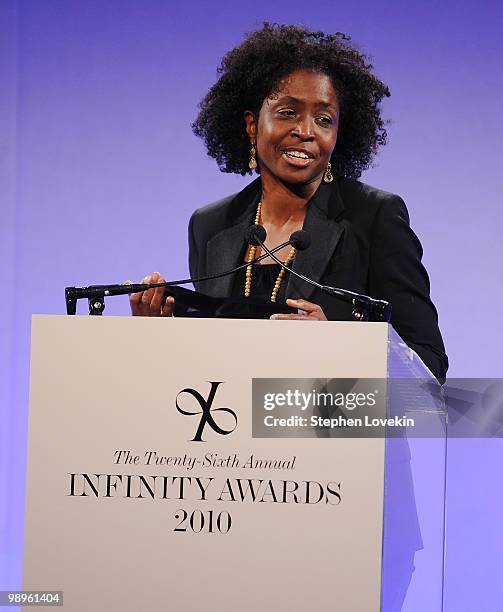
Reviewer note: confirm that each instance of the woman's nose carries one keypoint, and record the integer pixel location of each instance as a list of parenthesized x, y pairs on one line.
[(303, 129)]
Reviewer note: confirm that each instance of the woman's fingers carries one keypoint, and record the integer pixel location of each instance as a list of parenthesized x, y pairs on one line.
[(157, 295), (147, 296), (135, 301), (168, 308), (306, 311), (150, 303), (307, 307)]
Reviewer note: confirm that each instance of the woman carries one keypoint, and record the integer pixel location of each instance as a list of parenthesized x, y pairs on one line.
[(301, 109)]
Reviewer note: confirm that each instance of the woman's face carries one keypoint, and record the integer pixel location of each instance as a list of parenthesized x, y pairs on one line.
[(296, 130)]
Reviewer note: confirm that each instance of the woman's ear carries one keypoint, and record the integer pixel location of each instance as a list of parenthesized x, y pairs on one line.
[(251, 126)]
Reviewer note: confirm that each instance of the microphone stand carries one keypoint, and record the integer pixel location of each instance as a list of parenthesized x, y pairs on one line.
[(95, 294), (366, 308)]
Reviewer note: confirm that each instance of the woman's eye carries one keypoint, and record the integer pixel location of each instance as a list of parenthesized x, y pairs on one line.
[(287, 112), (325, 120)]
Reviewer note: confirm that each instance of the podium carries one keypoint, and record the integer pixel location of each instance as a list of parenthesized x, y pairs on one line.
[(197, 464)]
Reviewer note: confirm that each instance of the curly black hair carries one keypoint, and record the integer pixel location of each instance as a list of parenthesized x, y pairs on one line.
[(253, 71)]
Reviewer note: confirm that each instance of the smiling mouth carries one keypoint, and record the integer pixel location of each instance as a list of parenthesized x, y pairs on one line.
[(299, 159)]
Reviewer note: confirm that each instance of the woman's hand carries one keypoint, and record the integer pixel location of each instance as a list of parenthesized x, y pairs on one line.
[(149, 303), (307, 311)]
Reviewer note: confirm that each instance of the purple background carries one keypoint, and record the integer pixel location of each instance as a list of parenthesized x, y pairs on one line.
[(99, 172)]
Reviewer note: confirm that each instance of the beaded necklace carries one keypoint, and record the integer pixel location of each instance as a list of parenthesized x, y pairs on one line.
[(251, 256)]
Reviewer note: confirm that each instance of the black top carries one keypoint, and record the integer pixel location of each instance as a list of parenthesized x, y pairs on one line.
[(361, 240), (263, 279)]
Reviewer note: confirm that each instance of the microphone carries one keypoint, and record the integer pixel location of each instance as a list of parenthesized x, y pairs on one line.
[(256, 235), (99, 292), (300, 240), (366, 308)]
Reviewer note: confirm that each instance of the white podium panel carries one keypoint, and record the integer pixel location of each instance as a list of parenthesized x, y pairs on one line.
[(147, 490)]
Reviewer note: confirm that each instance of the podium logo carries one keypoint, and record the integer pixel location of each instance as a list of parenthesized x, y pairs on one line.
[(206, 410)]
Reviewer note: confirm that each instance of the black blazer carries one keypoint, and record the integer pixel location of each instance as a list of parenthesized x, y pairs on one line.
[(360, 240)]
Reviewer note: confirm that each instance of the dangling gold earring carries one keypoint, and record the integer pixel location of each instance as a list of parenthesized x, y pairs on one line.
[(252, 164), (328, 177)]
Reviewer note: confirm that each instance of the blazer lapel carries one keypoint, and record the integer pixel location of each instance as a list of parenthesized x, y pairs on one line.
[(226, 249), (320, 222)]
